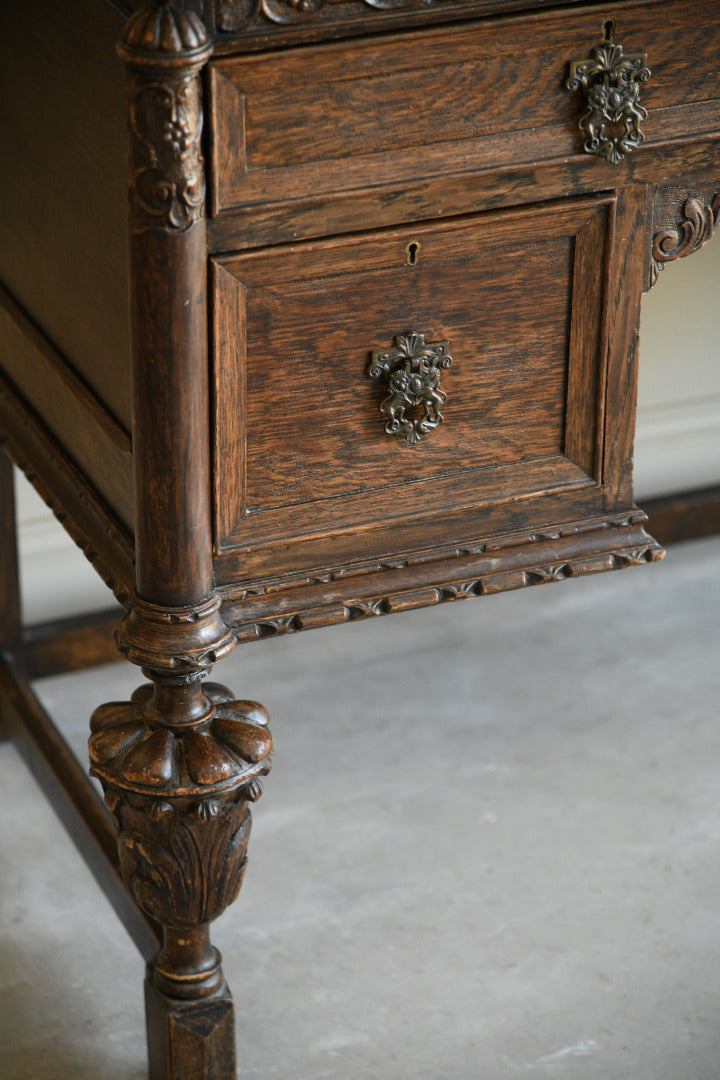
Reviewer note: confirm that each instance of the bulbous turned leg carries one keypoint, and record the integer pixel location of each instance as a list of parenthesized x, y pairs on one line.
[(180, 765)]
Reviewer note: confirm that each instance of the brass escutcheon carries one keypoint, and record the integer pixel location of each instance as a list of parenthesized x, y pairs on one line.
[(611, 81), (411, 370)]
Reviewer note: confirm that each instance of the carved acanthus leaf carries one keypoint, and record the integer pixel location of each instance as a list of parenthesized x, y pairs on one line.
[(183, 866), (180, 796), (694, 228)]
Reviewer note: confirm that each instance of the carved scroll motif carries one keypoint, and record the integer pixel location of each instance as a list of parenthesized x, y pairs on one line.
[(693, 230), (164, 49), (167, 181), (234, 15)]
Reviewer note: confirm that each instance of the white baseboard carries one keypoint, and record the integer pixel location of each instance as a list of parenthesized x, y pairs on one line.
[(677, 447)]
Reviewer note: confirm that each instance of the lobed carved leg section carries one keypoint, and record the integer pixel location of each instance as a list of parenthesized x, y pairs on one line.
[(180, 766)]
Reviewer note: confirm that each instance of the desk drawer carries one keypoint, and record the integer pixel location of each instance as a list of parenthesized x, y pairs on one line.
[(517, 298), (322, 119)]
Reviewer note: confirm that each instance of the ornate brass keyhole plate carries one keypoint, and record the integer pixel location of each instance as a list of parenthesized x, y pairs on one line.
[(611, 81), (411, 369)]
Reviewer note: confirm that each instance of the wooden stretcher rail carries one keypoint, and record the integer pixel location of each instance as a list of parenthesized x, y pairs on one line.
[(53, 648), (71, 794)]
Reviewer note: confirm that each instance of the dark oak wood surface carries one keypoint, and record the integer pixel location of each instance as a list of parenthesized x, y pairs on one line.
[(63, 242), (484, 100), (224, 450), (685, 516), (294, 363)]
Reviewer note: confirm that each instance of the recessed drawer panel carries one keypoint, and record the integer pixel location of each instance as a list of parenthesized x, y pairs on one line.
[(311, 121), (513, 299)]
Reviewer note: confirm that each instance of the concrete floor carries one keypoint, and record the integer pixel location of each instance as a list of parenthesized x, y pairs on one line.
[(489, 849)]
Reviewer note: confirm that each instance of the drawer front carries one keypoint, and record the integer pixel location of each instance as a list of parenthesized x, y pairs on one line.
[(518, 298), (311, 121)]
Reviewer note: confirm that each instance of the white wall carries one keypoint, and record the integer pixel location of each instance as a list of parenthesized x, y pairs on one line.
[(677, 445)]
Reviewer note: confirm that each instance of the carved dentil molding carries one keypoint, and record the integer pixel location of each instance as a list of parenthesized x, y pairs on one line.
[(630, 546)]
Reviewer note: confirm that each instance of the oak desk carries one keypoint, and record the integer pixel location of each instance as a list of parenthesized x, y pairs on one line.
[(385, 261)]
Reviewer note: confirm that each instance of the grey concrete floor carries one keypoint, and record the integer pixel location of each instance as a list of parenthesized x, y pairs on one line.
[(489, 849)]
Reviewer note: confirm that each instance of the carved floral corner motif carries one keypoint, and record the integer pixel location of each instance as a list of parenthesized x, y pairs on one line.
[(411, 370), (691, 232)]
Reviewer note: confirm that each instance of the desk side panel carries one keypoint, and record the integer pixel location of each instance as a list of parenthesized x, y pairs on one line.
[(63, 235)]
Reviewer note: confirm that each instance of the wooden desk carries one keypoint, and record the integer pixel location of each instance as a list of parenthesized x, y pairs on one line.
[(387, 361)]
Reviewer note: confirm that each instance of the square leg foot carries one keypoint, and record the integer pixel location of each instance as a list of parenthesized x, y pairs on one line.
[(190, 1040)]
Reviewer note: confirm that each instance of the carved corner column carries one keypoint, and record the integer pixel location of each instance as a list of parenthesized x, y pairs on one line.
[(181, 762)]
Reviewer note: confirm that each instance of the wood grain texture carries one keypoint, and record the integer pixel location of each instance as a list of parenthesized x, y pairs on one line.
[(681, 219), (73, 644), (102, 538), (86, 431), (625, 276), (502, 185), (325, 163), (426, 578), (179, 765), (301, 444), (164, 51), (685, 516), (187, 1040), (470, 80), (272, 21), (252, 25), (63, 239)]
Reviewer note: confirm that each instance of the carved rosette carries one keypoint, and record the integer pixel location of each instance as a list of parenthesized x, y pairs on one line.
[(180, 797), (695, 227), (164, 49)]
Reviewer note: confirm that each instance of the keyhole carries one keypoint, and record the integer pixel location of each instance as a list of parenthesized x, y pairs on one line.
[(412, 251), (609, 30)]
